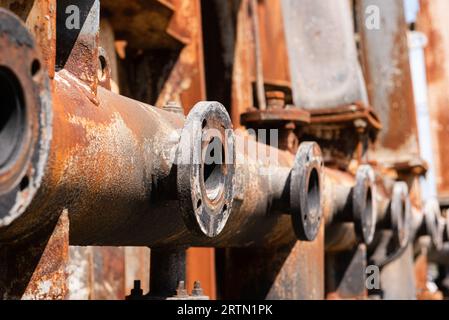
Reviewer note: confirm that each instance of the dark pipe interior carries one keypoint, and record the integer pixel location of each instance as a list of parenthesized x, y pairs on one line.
[(12, 116), (369, 204), (313, 194), (213, 171)]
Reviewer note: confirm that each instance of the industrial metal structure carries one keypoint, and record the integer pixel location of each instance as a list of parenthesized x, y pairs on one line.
[(211, 149)]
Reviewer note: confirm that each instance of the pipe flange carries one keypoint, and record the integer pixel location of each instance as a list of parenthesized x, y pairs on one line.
[(434, 222), (206, 167), (25, 118), (401, 213), (364, 204), (306, 191)]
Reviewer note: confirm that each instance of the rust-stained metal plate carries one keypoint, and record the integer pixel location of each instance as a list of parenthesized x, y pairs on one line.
[(36, 268), (345, 274), (323, 59), (77, 40), (143, 23), (40, 18), (290, 272), (397, 279), (387, 71), (432, 21)]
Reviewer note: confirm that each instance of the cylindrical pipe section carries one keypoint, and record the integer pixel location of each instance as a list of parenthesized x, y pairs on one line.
[(168, 269), (350, 209), (112, 166), (395, 214)]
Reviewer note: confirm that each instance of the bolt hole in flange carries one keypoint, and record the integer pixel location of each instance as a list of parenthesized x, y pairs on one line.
[(401, 214), (35, 67), (205, 169), (12, 117), (24, 183), (306, 191), (364, 204), (102, 71)]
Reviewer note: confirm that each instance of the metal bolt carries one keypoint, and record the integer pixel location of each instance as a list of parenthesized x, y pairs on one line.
[(136, 291), (197, 290), (181, 291), (275, 99), (173, 106)]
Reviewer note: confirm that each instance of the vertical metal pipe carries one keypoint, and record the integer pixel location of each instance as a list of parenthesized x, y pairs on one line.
[(168, 268), (258, 56), (417, 43)]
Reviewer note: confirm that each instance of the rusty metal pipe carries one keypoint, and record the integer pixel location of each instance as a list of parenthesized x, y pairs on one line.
[(394, 223), (350, 209), (112, 166), (271, 197)]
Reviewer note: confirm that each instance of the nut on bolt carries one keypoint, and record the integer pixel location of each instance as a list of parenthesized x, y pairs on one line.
[(275, 99), (197, 290), (173, 106)]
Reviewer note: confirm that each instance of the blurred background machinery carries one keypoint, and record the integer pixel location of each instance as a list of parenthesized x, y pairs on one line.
[(107, 109)]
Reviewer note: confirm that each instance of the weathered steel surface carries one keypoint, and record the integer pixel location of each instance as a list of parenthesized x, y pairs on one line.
[(345, 274), (293, 271), (432, 21), (78, 25), (273, 44), (241, 92), (131, 18), (26, 116), (200, 266), (186, 82), (40, 18), (314, 29), (398, 278), (343, 132), (36, 269), (387, 72), (168, 268), (137, 267), (350, 208), (301, 277), (80, 276)]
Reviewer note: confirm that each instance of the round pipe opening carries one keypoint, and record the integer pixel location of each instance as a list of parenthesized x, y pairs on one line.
[(12, 116), (214, 169), (313, 194)]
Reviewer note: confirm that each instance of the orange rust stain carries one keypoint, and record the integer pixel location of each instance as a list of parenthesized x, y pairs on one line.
[(49, 280), (186, 83), (432, 21), (272, 38), (201, 266)]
